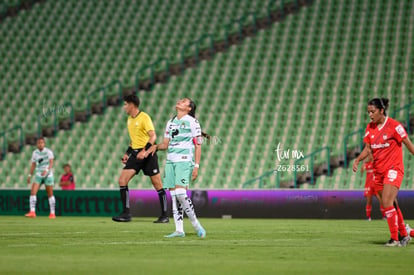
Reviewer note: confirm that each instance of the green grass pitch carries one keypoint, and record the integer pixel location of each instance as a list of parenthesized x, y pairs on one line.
[(83, 245)]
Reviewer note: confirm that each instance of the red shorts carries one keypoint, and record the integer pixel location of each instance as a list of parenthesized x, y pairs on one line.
[(393, 177), (369, 189)]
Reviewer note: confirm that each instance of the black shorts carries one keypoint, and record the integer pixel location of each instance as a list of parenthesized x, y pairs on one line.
[(149, 165)]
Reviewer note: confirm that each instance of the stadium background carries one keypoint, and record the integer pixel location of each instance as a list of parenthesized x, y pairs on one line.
[(263, 73)]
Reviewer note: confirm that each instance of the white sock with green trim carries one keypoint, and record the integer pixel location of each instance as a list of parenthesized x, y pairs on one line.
[(52, 204), (32, 201)]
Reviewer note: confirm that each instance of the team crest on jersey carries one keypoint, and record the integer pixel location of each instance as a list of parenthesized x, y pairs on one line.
[(372, 136), (400, 130), (182, 126), (384, 137), (392, 175)]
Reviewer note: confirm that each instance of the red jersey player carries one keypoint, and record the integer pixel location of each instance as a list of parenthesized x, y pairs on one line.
[(67, 181), (369, 190), (383, 139)]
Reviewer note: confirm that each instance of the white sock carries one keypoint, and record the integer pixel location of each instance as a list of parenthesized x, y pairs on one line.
[(32, 201), (188, 207), (177, 213), (52, 203)]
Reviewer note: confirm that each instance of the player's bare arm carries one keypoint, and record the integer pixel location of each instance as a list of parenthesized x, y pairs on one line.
[(407, 142), (364, 154), (197, 157), (164, 145), (146, 151), (125, 157), (32, 167), (44, 173)]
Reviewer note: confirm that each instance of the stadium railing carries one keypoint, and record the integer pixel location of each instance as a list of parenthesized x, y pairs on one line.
[(5, 143), (407, 119), (153, 68), (347, 154), (93, 105), (312, 169)]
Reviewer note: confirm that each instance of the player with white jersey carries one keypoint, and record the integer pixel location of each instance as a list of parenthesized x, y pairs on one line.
[(384, 138), (183, 138), (42, 164)]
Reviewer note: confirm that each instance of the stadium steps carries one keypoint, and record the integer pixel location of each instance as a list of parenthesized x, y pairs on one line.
[(99, 67), (271, 65), (9, 8)]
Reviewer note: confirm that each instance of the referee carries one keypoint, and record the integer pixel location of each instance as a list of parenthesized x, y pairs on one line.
[(142, 134)]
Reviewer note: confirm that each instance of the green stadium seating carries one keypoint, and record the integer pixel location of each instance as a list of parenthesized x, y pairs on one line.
[(303, 82)]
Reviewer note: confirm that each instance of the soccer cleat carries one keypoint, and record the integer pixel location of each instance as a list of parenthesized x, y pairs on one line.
[(392, 242), (405, 240), (175, 234), (52, 216), (201, 232), (162, 219), (369, 219), (123, 217), (31, 214)]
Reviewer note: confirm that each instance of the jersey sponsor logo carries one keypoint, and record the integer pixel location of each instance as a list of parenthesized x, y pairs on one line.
[(392, 175), (400, 130), (380, 146), (174, 133)]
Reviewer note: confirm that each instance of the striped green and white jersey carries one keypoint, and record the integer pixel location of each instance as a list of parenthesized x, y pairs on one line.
[(182, 134), (42, 158)]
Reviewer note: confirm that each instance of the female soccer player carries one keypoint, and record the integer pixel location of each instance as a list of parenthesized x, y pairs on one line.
[(369, 190), (136, 158), (67, 180), (183, 139), (42, 161), (383, 138)]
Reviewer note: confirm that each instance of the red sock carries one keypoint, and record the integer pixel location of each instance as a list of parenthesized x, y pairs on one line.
[(401, 224), (392, 219), (368, 210), (383, 212)]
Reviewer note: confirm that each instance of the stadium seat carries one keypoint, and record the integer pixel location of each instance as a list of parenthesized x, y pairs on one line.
[(303, 82)]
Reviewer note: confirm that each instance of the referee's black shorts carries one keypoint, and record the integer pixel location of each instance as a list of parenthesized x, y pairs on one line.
[(148, 165)]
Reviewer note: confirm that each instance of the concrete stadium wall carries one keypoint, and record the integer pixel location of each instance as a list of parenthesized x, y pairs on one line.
[(320, 204)]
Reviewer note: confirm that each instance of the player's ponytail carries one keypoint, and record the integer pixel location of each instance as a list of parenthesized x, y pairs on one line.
[(193, 107), (380, 103)]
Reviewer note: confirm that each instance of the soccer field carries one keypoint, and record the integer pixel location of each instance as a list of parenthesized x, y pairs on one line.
[(233, 246)]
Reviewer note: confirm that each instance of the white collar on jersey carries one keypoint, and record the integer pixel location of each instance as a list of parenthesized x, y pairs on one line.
[(382, 126)]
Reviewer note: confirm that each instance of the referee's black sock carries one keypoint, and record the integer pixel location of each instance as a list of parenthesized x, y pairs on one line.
[(125, 198), (163, 201)]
